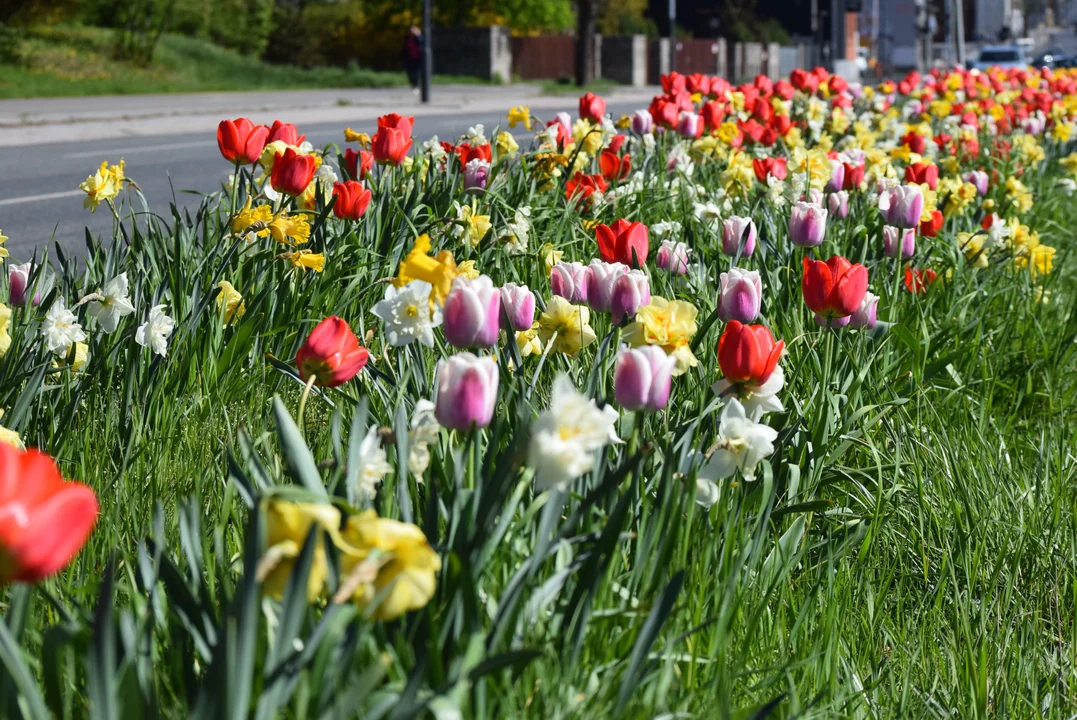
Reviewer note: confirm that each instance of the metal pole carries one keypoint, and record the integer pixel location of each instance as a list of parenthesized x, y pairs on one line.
[(428, 51), (672, 36), (959, 20)]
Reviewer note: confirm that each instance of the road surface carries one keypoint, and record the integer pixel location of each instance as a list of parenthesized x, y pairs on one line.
[(40, 200)]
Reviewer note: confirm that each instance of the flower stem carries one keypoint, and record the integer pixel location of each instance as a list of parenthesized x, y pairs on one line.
[(303, 402)]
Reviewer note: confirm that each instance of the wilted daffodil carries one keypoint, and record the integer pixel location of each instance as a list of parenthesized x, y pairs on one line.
[(388, 567), (669, 324), (356, 137), (287, 527)]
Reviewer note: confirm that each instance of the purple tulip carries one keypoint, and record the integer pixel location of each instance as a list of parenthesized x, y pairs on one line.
[(18, 279), (467, 391), (899, 240), (631, 291), (571, 281), (979, 179), (865, 316), (807, 224), (642, 122), (673, 256), (475, 175), (837, 176), (902, 205), (600, 283), (735, 231), (642, 378), (838, 204), (688, 124), (741, 295), (518, 303), (472, 313)]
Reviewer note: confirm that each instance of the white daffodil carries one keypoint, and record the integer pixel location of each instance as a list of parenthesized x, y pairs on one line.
[(407, 314), (112, 303), (423, 431), (666, 229), (997, 233), (517, 231), (433, 150), (475, 136), (757, 400), (373, 466), (61, 329), (565, 437), (154, 332), (742, 444)]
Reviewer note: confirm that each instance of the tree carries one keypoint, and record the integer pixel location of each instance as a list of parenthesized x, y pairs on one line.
[(585, 41)]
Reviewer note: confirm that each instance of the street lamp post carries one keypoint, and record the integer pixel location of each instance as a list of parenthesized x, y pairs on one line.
[(428, 51), (672, 35)]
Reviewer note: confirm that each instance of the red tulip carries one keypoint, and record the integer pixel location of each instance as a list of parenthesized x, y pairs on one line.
[(664, 112), (392, 141), (916, 281), (616, 143), (581, 187), (835, 288), (352, 200), (331, 354), (713, 112), (930, 228), (673, 83), (916, 142), (614, 167), (466, 153), (358, 164), (748, 353), (44, 521), (762, 110), (625, 242), (292, 172), (765, 167), (285, 132), (240, 142), (921, 173), (784, 89), (854, 176), (592, 107)]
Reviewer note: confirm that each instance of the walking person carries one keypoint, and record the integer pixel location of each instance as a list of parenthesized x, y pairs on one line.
[(412, 55)]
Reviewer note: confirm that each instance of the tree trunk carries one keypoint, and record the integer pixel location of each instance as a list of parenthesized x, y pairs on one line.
[(585, 41)]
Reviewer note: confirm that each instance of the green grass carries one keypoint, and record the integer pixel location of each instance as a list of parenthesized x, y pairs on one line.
[(909, 551), (565, 86), (64, 61)]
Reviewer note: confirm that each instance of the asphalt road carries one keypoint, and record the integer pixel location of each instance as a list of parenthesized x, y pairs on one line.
[(40, 200)]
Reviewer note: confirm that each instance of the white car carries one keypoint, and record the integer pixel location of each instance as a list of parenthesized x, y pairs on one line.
[(1002, 56)]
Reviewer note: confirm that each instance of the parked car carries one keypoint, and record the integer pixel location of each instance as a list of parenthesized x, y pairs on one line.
[(1003, 56), (1048, 58)]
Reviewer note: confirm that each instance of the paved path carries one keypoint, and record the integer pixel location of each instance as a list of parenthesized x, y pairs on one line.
[(49, 146)]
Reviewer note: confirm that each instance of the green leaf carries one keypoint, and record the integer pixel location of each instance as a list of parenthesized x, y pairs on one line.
[(647, 635), (297, 456)]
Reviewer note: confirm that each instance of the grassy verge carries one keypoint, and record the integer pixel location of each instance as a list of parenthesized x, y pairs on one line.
[(62, 61)]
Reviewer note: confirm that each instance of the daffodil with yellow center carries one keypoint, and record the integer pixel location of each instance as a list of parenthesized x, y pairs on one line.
[(356, 137), (623, 123), (306, 260), (527, 341), (520, 115), (1040, 261), (738, 179), (550, 256), (103, 186), (1069, 163), (813, 163), (566, 326), (728, 132), (439, 271), (1062, 131), (290, 229), (973, 248), (1028, 149), (277, 147), (587, 135), (252, 220), (287, 526), (10, 437), (5, 329), (230, 304), (388, 567), (475, 226), (505, 144), (668, 324)]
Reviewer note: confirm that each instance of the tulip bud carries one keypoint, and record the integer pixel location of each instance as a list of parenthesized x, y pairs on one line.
[(807, 224), (565, 120), (331, 354), (902, 205), (472, 313), (838, 203), (286, 133), (748, 354), (18, 280), (735, 231), (600, 282), (475, 174), (865, 316), (837, 176), (642, 122), (571, 281), (979, 179), (898, 240), (592, 108), (518, 304), (642, 378), (467, 391), (292, 172), (833, 289), (689, 125), (624, 242), (741, 295), (240, 141), (673, 256), (631, 291), (352, 200), (814, 196)]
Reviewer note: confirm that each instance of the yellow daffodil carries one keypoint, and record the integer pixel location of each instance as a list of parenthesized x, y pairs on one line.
[(527, 341), (623, 123), (287, 527), (230, 304), (252, 221), (1062, 131), (102, 186), (388, 565), (550, 256), (587, 135), (738, 179), (10, 437), (520, 115), (728, 132), (566, 325), (1039, 260), (1069, 163), (474, 226), (439, 271), (356, 137), (505, 144), (5, 329), (290, 229), (306, 260), (668, 324), (3, 240), (814, 163), (973, 248)]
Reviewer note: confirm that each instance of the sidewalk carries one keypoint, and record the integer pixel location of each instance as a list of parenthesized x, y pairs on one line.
[(47, 120)]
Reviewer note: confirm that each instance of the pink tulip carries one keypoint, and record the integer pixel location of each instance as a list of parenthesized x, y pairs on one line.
[(866, 314), (837, 176), (18, 279), (631, 291), (642, 378), (738, 233), (979, 179), (741, 295), (571, 281), (899, 241), (838, 204), (807, 224), (472, 313), (601, 280), (518, 303), (467, 391), (642, 122), (673, 256), (902, 206)]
